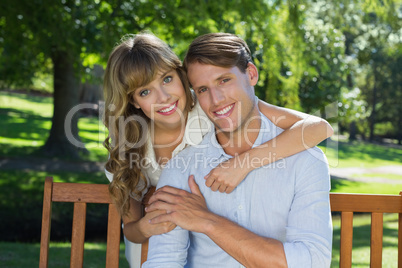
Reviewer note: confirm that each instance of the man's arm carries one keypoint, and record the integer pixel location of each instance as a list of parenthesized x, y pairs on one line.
[(191, 212), (309, 227), (168, 249), (309, 231)]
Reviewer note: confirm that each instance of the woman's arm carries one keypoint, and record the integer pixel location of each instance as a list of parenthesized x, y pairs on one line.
[(137, 228), (301, 131)]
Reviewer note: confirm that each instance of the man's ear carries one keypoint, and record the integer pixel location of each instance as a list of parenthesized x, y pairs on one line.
[(252, 73)]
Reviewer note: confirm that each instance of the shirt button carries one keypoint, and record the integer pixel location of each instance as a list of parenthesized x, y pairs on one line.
[(240, 207)]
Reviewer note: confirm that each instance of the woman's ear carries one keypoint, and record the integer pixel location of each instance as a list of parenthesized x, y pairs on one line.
[(133, 102), (252, 73)]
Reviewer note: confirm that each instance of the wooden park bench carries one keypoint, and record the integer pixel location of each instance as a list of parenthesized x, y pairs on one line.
[(377, 205), (81, 194)]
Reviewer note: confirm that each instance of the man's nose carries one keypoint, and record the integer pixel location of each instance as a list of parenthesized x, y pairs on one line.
[(217, 96)]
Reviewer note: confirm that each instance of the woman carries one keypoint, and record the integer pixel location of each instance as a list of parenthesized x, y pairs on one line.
[(151, 115)]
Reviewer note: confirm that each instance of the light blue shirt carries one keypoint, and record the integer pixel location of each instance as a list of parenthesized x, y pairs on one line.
[(287, 200)]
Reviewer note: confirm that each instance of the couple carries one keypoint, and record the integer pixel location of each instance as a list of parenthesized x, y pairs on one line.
[(254, 195)]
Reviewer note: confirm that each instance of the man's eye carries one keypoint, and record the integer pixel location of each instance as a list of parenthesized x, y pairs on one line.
[(225, 80), (144, 92), (167, 79)]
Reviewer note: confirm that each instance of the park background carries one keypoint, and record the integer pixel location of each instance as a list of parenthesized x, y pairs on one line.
[(340, 60)]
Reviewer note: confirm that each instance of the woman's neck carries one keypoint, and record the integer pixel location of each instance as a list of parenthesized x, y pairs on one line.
[(165, 139)]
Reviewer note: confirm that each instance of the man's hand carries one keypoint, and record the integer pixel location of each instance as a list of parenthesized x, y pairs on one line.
[(188, 210)]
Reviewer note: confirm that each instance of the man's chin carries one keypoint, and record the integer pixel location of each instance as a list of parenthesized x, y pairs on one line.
[(226, 129)]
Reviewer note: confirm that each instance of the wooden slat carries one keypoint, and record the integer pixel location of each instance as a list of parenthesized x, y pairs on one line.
[(81, 192), (400, 238), (345, 260), (46, 218), (376, 240), (145, 203), (78, 235), (366, 203), (144, 251), (113, 238)]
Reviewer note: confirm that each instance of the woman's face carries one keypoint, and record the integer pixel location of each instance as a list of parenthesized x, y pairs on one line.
[(163, 100)]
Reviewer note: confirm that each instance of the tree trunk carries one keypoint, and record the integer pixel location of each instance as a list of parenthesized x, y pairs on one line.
[(60, 142), (372, 117)]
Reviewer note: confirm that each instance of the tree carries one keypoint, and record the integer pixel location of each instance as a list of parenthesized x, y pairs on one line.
[(55, 36), (368, 59), (55, 31), (62, 33)]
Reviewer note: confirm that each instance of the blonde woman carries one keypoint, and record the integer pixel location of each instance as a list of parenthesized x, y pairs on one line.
[(152, 115)]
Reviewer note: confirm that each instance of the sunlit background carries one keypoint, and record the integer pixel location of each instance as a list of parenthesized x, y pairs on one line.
[(341, 60)]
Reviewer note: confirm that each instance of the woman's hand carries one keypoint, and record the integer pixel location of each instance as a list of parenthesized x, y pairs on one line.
[(154, 229), (227, 175)]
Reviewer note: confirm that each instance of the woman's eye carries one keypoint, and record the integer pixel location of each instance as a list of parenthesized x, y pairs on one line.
[(201, 90), (144, 92), (167, 79)]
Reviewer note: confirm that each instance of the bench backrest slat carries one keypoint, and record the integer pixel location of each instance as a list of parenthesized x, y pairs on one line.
[(347, 204), (346, 239), (79, 194)]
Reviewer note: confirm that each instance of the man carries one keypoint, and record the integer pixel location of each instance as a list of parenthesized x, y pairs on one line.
[(279, 216)]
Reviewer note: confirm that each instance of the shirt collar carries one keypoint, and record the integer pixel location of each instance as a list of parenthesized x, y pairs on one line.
[(267, 131)]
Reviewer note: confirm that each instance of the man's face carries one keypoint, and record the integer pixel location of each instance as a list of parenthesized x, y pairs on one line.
[(225, 94)]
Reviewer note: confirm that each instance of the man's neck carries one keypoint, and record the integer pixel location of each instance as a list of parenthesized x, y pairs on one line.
[(242, 139)]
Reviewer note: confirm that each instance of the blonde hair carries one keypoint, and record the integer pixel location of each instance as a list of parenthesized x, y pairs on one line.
[(133, 63)]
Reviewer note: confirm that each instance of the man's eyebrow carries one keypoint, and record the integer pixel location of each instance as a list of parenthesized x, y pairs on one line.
[(220, 77), (223, 76)]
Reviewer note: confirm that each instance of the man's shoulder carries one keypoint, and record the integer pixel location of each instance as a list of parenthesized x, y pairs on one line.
[(176, 171), (311, 156)]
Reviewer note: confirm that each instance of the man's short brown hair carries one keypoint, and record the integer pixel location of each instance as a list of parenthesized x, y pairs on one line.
[(219, 49)]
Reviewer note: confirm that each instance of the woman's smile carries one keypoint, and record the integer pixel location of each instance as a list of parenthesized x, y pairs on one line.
[(168, 110)]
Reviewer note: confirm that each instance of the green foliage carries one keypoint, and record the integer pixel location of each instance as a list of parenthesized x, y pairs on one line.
[(309, 53)]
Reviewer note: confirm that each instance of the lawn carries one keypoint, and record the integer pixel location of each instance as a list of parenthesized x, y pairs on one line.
[(27, 255), (342, 154), (26, 121)]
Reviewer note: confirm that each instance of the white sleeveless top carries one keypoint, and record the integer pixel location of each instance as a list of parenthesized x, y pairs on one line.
[(197, 126)]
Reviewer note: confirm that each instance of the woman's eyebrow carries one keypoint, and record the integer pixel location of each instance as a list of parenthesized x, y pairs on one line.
[(165, 73)]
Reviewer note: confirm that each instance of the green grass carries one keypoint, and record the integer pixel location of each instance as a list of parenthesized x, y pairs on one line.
[(27, 255), (26, 121), (378, 175), (346, 186), (360, 154)]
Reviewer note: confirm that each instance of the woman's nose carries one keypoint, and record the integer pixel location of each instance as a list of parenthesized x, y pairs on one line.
[(163, 95)]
